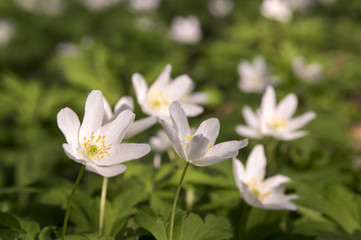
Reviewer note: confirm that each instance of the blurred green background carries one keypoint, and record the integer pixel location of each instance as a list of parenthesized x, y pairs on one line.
[(61, 50)]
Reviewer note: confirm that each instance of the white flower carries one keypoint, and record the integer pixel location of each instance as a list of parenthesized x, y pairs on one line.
[(160, 143), (144, 5), (258, 191), (99, 5), (186, 30), (51, 7), (220, 8), (6, 32), (306, 72), (96, 146), (198, 148), (300, 5), (274, 120), (254, 77), (144, 24), (123, 104), (277, 9), (156, 100)]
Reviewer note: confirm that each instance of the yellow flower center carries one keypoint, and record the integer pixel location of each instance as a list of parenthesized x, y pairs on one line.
[(278, 122), (158, 99), (256, 186), (188, 139), (95, 148)]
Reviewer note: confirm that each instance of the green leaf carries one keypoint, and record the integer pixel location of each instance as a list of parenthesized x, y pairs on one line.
[(336, 202), (150, 221), (212, 228), (8, 234), (30, 228), (88, 237), (9, 221), (123, 206), (48, 233)]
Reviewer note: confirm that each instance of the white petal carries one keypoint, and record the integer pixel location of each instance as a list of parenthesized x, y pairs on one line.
[(123, 153), (300, 121), (248, 132), (69, 124), (124, 103), (140, 125), (238, 172), (191, 110), (278, 201), (196, 148), (198, 98), (73, 154), (174, 139), (107, 111), (260, 65), (287, 107), (140, 87), (288, 136), (94, 114), (180, 87), (221, 152), (250, 117), (250, 198), (116, 129), (180, 121), (275, 181), (106, 171), (209, 129), (160, 142), (163, 80), (157, 161), (245, 69), (268, 104), (256, 164)]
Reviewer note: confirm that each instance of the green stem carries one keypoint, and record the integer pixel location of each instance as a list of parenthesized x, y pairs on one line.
[(102, 204), (80, 174), (243, 221), (175, 201)]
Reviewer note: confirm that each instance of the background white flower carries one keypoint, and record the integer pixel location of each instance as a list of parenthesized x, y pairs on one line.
[(160, 144), (143, 5), (50, 7), (156, 99), (96, 145), (258, 191), (306, 72), (274, 120), (278, 10), (123, 104), (186, 30), (6, 32), (254, 76), (220, 8), (199, 148), (99, 5)]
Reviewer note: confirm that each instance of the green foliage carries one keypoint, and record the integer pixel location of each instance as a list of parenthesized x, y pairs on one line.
[(211, 228), (54, 61)]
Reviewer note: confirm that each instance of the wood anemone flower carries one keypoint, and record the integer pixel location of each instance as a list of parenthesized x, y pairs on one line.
[(96, 146)]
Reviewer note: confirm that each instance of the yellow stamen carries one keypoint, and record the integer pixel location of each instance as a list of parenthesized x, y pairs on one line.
[(254, 186), (158, 99), (188, 139), (95, 149), (278, 122)]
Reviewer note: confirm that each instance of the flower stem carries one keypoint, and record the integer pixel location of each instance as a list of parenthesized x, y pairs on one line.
[(102, 204), (80, 174), (243, 221), (175, 201)]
